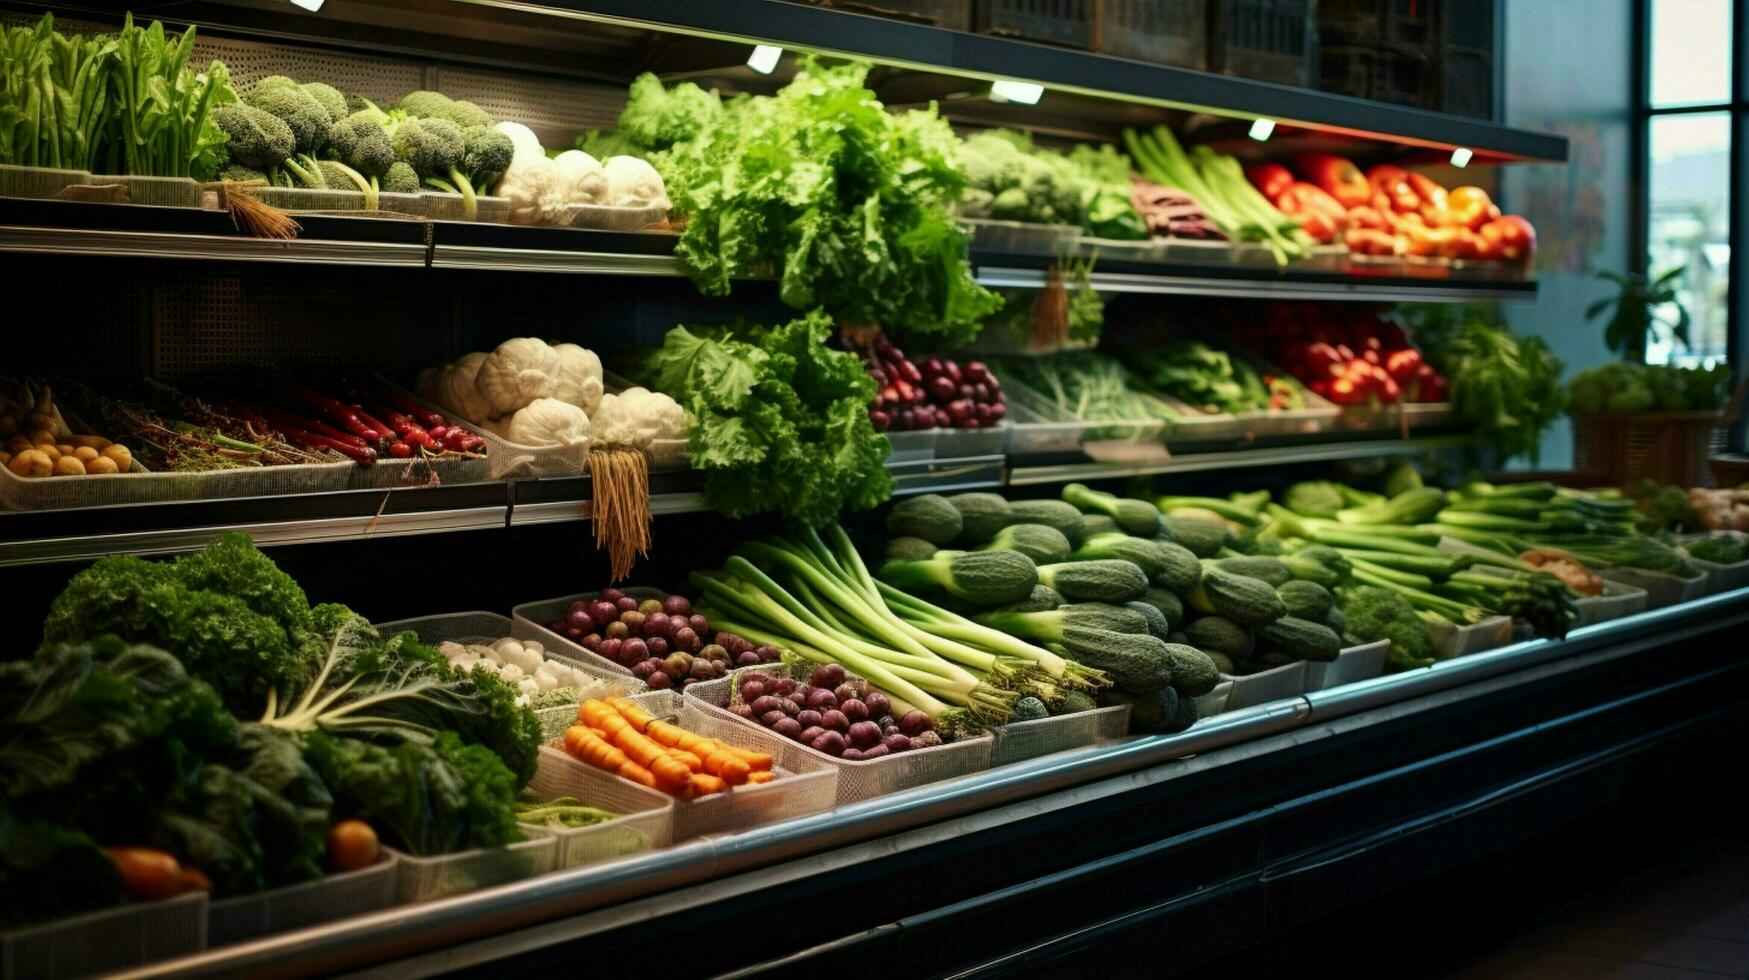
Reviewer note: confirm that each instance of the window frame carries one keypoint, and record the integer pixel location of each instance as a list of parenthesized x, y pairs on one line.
[(1640, 165)]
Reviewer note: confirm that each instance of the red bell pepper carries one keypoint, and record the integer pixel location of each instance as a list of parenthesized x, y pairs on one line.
[(1336, 177), (1402, 365), (1393, 182), (1269, 178), (1515, 237)]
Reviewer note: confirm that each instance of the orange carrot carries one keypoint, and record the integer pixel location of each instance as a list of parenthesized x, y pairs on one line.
[(644, 751), (724, 763), (762, 776), (591, 748), (634, 715), (685, 758), (638, 774), (702, 784), (756, 761)]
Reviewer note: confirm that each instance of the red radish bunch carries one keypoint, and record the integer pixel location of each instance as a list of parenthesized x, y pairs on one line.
[(939, 394), (1359, 359), (833, 713), (661, 641), (375, 422)]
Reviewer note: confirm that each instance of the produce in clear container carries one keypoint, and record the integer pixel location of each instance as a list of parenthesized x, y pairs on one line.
[(619, 737), (663, 642), (832, 712), (539, 682)]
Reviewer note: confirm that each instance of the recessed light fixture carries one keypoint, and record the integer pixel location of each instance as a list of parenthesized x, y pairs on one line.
[(313, 6), (763, 59), (1261, 129), (1026, 93), (1460, 157)]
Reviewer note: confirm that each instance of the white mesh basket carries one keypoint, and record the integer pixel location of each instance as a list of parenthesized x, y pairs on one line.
[(59, 492), (507, 460), (1617, 600), (1454, 641), (388, 473), (486, 627), (1023, 740), (38, 182), (106, 941), (602, 218), (423, 879), (309, 198), (335, 896), (857, 779), (1356, 663), (1267, 685), (171, 192), (646, 821), (803, 786), (1720, 578)]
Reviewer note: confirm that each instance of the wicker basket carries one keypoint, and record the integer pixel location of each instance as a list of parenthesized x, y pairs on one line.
[(1669, 447)]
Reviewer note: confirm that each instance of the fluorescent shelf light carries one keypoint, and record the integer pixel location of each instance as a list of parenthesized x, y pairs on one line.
[(313, 6), (763, 59), (1460, 157), (1261, 129), (1026, 93)]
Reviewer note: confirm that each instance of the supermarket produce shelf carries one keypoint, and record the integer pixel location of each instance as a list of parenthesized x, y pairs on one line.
[(105, 230), (1548, 708), (40, 536), (1280, 454)]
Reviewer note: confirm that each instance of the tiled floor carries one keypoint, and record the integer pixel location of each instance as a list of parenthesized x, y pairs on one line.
[(1687, 920)]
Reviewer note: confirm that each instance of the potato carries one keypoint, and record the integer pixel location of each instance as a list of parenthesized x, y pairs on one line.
[(69, 466), (83, 454), (65, 449), (40, 436), (8, 425), (124, 460), (101, 466), (31, 462), (95, 442), (19, 443), (48, 449)]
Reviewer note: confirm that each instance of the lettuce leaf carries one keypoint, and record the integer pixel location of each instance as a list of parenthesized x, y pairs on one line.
[(778, 420)]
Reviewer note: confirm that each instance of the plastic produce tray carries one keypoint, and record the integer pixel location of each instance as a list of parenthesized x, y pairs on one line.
[(1022, 237), (857, 779), (139, 486), (1215, 701), (914, 445), (533, 617), (510, 460), (1662, 588), (803, 786), (1455, 641), (1617, 600), (1265, 686), (106, 941), (1356, 663), (1097, 437), (1021, 740), (967, 443), (335, 896), (647, 819), (468, 627), (1035, 429), (424, 879), (38, 182), (1721, 578)]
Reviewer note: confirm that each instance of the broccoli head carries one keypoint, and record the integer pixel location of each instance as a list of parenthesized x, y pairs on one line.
[(256, 139), (400, 178), (436, 105), (360, 142), (486, 155), (300, 110), (1380, 614), (329, 97), (432, 147), (337, 176), (237, 173), (1314, 498)]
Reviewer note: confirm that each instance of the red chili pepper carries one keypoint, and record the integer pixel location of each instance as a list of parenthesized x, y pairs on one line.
[(395, 398), (384, 433), (281, 418), (362, 455)]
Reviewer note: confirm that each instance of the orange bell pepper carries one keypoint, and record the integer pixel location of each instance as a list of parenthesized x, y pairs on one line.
[(1471, 208)]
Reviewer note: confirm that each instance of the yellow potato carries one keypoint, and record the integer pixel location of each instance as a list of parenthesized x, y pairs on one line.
[(100, 466), (124, 460), (18, 444), (69, 466), (95, 442), (65, 449), (83, 454), (48, 449), (40, 436), (31, 462)]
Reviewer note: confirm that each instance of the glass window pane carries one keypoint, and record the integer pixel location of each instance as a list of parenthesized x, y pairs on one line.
[(1691, 52), (1689, 227)]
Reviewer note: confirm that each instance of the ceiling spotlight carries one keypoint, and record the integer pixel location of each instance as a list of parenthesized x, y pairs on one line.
[(763, 59), (1261, 129), (313, 6), (1460, 157), (1026, 93)]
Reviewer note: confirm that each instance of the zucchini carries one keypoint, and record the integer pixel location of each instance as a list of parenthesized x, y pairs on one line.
[(929, 517), (1271, 570), (1307, 600), (1300, 639), (1203, 539), (1051, 513), (1111, 580), (981, 516), (1220, 634), (1247, 601)]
